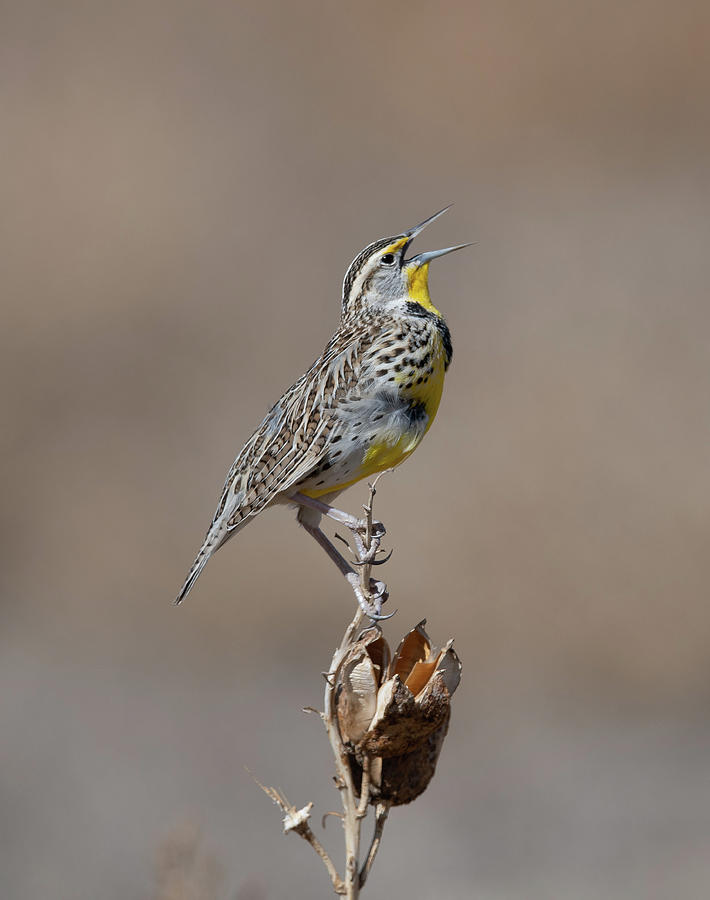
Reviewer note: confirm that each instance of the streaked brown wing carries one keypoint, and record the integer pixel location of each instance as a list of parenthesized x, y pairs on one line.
[(295, 435)]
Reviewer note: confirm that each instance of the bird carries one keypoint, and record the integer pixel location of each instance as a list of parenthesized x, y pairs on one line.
[(362, 407)]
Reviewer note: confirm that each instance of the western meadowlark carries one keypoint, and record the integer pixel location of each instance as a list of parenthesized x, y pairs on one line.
[(362, 407)]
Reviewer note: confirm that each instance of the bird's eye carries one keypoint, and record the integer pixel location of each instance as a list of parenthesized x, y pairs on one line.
[(387, 259)]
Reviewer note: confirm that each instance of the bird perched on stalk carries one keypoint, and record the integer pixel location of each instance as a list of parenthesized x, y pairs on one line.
[(362, 407)]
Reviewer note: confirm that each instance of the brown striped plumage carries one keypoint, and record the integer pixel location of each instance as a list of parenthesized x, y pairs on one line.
[(362, 406)]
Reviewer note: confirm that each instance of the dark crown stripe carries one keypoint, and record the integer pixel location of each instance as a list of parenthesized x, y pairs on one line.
[(358, 264)]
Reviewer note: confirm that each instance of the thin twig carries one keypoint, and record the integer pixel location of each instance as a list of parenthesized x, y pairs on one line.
[(355, 803), (327, 814), (381, 813), (344, 778), (364, 789), (297, 820)]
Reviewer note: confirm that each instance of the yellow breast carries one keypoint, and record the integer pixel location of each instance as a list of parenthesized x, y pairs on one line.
[(419, 387), (424, 388)]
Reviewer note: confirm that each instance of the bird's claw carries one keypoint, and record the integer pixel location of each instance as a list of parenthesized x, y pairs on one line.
[(381, 618), (369, 559), (380, 595), (378, 617), (371, 603), (381, 562), (378, 590)]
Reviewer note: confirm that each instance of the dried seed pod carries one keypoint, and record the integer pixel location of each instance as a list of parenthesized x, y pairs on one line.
[(359, 680), (397, 711), (404, 778)]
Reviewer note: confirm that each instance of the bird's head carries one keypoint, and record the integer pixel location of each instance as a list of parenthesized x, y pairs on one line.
[(381, 278)]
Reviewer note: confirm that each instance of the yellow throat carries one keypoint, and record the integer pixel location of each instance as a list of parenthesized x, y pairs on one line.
[(419, 287)]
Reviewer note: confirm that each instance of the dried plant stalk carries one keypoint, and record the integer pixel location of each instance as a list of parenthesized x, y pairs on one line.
[(386, 716)]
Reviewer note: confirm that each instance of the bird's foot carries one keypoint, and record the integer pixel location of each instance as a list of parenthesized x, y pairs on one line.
[(361, 530), (371, 602), (371, 561), (361, 526)]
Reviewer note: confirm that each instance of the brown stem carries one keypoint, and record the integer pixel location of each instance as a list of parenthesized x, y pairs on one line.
[(354, 806), (364, 789), (355, 803), (344, 778), (337, 881), (381, 813), (297, 820)]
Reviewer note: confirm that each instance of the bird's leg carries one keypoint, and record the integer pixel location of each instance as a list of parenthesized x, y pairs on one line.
[(370, 605), (357, 526)]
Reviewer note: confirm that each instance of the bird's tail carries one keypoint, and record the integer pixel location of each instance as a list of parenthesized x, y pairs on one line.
[(216, 536)]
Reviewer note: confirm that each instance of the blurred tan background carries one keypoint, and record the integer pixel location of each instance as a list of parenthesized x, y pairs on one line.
[(183, 186)]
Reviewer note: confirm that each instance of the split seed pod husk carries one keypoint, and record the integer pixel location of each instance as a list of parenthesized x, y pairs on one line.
[(396, 708)]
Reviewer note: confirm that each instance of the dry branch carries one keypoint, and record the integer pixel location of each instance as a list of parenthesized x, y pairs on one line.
[(386, 716)]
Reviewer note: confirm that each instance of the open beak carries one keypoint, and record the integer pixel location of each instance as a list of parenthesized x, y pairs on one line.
[(422, 258), (413, 232)]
